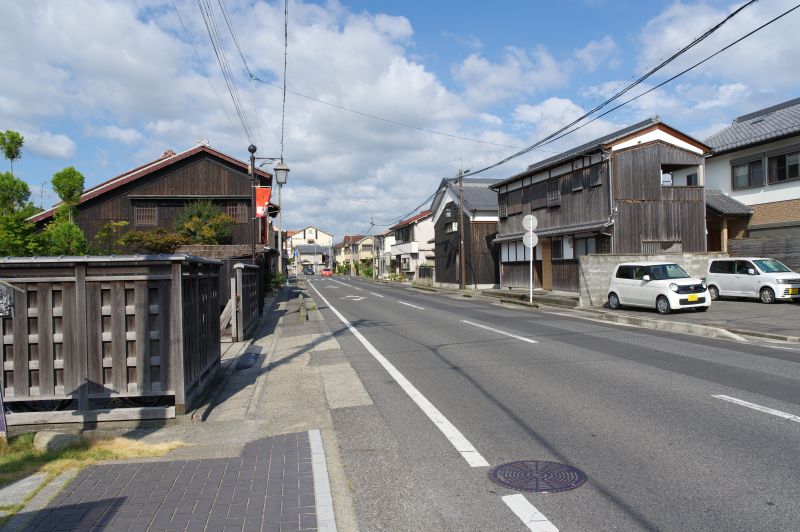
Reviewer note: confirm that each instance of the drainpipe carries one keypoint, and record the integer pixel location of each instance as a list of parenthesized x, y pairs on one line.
[(610, 196)]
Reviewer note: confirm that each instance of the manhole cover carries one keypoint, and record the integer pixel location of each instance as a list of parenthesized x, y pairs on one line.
[(538, 476)]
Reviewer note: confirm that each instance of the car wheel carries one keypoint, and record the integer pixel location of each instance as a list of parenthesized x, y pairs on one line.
[(662, 305), (701, 309), (767, 295), (713, 291), (613, 301)]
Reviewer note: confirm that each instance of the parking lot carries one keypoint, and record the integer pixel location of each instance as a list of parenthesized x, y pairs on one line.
[(781, 318)]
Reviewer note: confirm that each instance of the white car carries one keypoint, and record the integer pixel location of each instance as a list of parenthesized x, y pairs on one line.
[(663, 285), (766, 279)]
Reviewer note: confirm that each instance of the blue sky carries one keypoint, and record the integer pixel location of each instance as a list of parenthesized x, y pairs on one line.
[(109, 85)]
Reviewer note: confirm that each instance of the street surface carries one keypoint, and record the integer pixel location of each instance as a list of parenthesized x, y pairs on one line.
[(674, 432)]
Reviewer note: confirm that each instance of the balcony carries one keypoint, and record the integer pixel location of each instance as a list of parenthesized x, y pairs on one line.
[(405, 248)]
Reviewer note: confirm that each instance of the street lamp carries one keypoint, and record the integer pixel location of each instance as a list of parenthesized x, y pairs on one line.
[(281, 175)]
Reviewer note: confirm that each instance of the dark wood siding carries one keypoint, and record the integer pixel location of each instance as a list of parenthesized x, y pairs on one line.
[(200, 176), (481, 256), (648, 211)]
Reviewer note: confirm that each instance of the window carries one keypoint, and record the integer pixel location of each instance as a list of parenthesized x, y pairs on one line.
[(403, 234), (451, 227), (722, 266), (448, 213), (784, 167), (539, 195), (585, 246), (650, 247), (405, 264), (557, 248), (577, 179), (625, 272), (691, 180), (145, 214), (742, 267), (502, 205), (596, 173), (748, 175), (553, 193), (514, 201), (238, 211)]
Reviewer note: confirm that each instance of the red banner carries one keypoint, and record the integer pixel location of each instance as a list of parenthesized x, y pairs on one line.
[(263, 195)]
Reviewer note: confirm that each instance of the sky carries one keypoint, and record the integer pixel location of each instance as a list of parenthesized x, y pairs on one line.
[(106, 86)]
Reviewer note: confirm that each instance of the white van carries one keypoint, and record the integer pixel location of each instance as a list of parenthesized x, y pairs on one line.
[(766, 279)]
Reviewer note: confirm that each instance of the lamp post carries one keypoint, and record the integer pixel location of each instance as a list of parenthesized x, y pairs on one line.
[(281, 175)]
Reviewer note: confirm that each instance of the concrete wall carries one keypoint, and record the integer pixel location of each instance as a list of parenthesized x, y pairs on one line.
[(595, 271)]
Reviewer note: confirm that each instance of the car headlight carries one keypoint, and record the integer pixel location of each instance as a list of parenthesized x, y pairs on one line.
[(782, 281), (703, 284), (673, 287)]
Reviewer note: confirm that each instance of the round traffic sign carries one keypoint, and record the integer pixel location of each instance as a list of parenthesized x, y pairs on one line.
[(529, 222), (530, 240)]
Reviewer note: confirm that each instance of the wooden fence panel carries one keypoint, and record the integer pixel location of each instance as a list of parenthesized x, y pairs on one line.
[(783, 248)]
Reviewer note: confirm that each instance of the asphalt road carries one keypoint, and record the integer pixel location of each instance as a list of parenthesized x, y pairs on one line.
[(634, 409)]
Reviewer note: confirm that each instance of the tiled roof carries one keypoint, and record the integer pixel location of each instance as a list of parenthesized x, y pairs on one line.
[(310, 249), (167, 159), (351, 239), (413, 219), (480, 199), (755, 128), (725, 204)]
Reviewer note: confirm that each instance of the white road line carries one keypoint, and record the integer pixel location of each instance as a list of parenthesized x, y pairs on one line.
[(531, 517), (498, 331), (462, 445), (341, 283), (374, 294), (760, 408), (410, 305)]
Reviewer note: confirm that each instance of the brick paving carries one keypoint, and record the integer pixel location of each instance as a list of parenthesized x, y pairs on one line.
[(270, 487)]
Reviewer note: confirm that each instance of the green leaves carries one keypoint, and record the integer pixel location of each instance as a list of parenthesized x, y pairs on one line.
[(11, 143), (202, 222)]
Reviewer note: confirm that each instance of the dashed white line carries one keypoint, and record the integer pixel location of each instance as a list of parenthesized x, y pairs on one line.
[(374, 294), (410, 305), (462, 445), (784, 415), (498, 331), (530, 516)]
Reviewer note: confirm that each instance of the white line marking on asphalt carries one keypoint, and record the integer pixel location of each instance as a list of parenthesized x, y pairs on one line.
[(341, 283), (374, 294), (498, 331), (410, 305), (760, 408), (462, 445), (326, 520), (533, 518), (780, 347)]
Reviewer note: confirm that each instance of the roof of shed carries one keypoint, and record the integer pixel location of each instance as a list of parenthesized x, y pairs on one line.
[(724, 204)]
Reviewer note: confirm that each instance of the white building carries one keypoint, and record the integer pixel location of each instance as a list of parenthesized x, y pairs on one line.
[(413, 246)]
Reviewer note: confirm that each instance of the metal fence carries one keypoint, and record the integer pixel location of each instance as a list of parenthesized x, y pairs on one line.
[(108, 338)]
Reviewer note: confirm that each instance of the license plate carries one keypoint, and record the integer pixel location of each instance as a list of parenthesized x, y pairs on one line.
[(794, 291), (692, 297)]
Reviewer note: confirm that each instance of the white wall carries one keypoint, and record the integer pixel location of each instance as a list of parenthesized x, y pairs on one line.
[(656, 134), (718, 175), (424, 231)]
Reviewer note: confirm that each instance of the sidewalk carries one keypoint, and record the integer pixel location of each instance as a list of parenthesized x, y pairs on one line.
[(260, 455)]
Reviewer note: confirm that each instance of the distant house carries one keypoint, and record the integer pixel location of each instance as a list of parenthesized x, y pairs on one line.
[(413, 246), (383, 253), (756, 162), (310, 236), (351, 251), (155, 194), (481, 257), (311, 256), (638, 190)]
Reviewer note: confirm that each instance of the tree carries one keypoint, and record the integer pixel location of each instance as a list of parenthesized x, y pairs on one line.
[(202, 222), (109, 239), (17, 235), (68, 184), (64, 237), (11, 143), (157, 240)]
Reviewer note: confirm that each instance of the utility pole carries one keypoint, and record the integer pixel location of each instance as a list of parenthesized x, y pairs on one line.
[(462, 262), (372, 237), (252, 149)]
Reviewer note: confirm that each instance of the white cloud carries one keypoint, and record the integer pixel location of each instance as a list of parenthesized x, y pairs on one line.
[(598, 52), (125, 135), (520, 72), (50, 145)]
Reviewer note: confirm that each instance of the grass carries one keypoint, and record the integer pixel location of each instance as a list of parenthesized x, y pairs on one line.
[(19, 458)]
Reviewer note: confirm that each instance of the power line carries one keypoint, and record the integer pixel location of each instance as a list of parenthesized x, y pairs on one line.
[(219, 50), (681, 73), (620, 93), (202, 66)]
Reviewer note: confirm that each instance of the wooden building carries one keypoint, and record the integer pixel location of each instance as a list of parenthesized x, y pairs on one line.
[(481, 257), (638, 190), (155, 194)]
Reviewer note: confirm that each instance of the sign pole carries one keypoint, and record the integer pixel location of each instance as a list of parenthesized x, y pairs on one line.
[(529, 223), (530, 282)]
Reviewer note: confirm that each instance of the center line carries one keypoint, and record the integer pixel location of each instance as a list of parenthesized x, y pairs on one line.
[(498, 331), (760, 408), (374, 294), (533, 518), (462, 445), (410, 305)]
